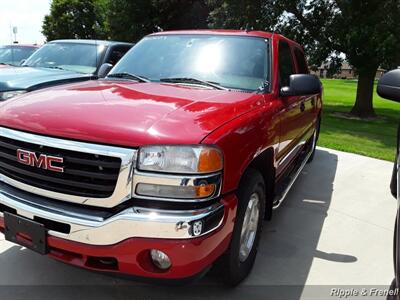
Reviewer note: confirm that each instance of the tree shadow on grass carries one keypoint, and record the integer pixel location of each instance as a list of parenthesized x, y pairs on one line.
[(382, 131)]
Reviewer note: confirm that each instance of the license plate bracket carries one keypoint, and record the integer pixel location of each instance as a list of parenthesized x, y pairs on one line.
[(25, 232)]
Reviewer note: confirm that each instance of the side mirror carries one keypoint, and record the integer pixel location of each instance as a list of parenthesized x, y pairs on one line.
[(302, 85), (389, 85), (104, 70)]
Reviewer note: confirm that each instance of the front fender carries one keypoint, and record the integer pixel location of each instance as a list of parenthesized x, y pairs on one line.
[(243, 139)]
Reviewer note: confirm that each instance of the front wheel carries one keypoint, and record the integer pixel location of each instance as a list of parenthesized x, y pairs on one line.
[(238, 261)]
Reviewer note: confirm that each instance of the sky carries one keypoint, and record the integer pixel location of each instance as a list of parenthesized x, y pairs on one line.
[(27, 16)]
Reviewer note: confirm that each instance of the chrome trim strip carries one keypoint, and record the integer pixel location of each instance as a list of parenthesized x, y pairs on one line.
[(132, 222), (288, 156), (302, 142), (123, 188), (175, 180)]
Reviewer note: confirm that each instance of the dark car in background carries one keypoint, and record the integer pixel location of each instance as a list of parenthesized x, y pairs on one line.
[(13, 55), (389, 88), (59, 62)]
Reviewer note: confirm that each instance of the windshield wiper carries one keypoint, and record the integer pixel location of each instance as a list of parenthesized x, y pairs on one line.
[(214, 85), (127, 75), (55, 67)]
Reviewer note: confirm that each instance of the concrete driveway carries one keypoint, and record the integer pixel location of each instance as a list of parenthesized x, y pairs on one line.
[(334, 230)]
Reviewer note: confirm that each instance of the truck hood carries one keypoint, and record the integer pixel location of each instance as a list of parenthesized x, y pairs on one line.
[(26, 78), (126, 113)]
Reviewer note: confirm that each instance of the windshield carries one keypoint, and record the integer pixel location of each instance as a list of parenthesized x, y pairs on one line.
[(13, 55), (230, 61), (76, 57)]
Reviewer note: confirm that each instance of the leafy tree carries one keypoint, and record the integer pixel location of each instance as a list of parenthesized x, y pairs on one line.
[(366, 31), (130, 20), (180, 14), (75, 19), (235, 14)]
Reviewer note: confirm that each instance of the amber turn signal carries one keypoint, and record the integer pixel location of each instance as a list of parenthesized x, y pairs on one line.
[(210, 160), (203, 191)]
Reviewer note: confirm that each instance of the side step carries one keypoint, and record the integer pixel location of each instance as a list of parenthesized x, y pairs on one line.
[(284, 186)]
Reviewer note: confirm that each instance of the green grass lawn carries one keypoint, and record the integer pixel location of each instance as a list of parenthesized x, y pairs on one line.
[(375, 138)]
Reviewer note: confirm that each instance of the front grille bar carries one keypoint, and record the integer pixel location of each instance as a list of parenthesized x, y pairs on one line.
[(94, 174)]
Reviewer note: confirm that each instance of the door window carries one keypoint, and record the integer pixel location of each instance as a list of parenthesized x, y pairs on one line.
[(286, 67), (301, 62), (116, 54)]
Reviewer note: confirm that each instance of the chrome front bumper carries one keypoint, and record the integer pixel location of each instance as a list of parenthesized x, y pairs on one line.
[(95, 229)]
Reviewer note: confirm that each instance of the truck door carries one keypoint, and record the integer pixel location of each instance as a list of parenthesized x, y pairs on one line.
[(292, 121), (309, 102)]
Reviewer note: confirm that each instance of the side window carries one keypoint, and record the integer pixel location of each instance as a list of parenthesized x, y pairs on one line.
[(116, 54), (286, 67), (301, 62)]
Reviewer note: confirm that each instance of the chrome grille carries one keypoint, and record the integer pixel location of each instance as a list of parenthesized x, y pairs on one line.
[(94, 174), (87, 175)]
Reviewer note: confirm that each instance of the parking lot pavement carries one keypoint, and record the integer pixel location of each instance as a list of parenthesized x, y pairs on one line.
[(335, 228)]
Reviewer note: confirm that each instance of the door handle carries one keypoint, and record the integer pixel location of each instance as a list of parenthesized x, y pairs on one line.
[(302, 107)]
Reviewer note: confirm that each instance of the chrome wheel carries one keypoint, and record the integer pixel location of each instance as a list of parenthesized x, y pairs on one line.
[(249, 227)]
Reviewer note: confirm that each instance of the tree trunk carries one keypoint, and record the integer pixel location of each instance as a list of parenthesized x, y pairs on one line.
[(363, 107)]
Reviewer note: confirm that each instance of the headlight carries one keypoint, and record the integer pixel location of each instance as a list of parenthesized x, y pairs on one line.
[(10, 94), (180, 159), (194, 173)]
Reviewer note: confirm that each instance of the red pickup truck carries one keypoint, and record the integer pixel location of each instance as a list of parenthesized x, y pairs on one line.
[(167, 166)]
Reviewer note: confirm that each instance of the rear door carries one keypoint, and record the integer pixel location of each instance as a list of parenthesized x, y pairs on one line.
[(309, 102)]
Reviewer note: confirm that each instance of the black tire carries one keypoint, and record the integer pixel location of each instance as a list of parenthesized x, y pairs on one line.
[(232, 269), (314, 140)]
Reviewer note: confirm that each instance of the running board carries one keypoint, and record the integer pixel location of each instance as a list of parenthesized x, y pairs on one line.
[(289, 181)]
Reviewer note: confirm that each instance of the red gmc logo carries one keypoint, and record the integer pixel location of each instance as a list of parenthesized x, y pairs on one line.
[(42, 161)]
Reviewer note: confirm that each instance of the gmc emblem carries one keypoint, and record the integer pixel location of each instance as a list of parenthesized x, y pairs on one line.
[(42, 161)]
